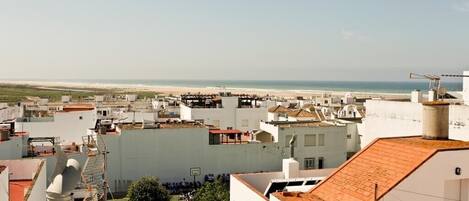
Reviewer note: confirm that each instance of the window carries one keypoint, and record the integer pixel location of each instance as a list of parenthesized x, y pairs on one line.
[(310, 140), (309, 163), (320, 163), (349, 136), (81, 117), (321, 140), (244, 123), (287, 141)]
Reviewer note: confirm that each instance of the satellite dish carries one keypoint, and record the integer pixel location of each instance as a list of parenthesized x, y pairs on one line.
[(65, 178)]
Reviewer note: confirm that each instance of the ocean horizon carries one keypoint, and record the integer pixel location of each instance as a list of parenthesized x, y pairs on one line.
[(346, 86)]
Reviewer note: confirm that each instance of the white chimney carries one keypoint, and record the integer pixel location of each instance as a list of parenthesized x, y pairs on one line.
[(432, 95), (290, 168), (416, 96), (435, 120)]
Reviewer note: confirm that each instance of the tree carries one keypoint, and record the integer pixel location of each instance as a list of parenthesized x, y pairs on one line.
[(213, 191), (147, 189)]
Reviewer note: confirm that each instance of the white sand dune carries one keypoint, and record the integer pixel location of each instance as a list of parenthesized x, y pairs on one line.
[(181, 90)]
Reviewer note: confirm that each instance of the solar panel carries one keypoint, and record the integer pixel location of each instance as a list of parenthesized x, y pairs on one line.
[(282, 184)]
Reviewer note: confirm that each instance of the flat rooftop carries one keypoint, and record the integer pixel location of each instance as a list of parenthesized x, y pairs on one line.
[(162, 125), (291, 124)]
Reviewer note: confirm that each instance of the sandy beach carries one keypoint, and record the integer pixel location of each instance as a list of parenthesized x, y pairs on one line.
[(204, 90)]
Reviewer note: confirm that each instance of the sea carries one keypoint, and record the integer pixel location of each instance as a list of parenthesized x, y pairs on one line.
[(296, 85)]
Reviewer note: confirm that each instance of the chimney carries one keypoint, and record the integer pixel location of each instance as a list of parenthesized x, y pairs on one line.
[(290, 168), (435, 120), (416, 96)]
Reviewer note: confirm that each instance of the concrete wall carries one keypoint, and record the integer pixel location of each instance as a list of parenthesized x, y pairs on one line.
[(170, 153), (239, 191), (11, 149), (4, 184), (252, 115), (226, 116), (8, 112), (66, 125), (334, 150), (436, 180), (392, 118), (38, 191)]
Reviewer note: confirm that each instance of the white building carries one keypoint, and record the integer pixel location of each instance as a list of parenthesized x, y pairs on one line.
[(319, 144), (387, 118), (350, 111), (23, 180), (131, 97), (70, 124), (169, 150), (410, 168), (7, 112), (224, 112), (258, 186)]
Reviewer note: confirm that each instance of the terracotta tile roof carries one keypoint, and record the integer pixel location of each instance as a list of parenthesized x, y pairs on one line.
[(302, 113), (78, 107), (18, 189), (386, 162), (279, 109)]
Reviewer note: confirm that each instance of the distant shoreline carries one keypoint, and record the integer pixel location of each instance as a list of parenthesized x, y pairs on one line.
[(177, 90)]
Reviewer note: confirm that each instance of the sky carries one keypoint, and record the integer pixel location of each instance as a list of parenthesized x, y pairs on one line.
[(233, 40)]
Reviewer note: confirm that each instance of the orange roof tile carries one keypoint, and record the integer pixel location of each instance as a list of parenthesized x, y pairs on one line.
[(279, 109), (18, 188), (77, 107), (385, 162), (302, 113)]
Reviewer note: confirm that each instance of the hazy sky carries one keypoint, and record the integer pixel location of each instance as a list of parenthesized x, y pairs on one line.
[(305, 40)]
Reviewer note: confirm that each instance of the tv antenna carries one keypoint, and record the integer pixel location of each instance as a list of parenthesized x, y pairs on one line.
[(435, 81)]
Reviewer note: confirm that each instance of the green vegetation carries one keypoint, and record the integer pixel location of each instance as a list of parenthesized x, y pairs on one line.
[(213, 191), (10, 93), (147, 189)]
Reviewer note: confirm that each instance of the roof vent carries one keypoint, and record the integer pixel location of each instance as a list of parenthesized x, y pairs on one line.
[(435, 120)]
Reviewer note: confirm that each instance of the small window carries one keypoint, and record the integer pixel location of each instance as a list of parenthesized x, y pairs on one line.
[(349, 136), (321, 140), (309, 163), (320, 163), (310, 140), (81, 117)]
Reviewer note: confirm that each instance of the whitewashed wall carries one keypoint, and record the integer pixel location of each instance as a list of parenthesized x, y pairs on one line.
[(170, 153), (11, 149), (227, 116), (38, 191), (239, 191), (4, 184), (66, 125), (436, 180), (393, 118)]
